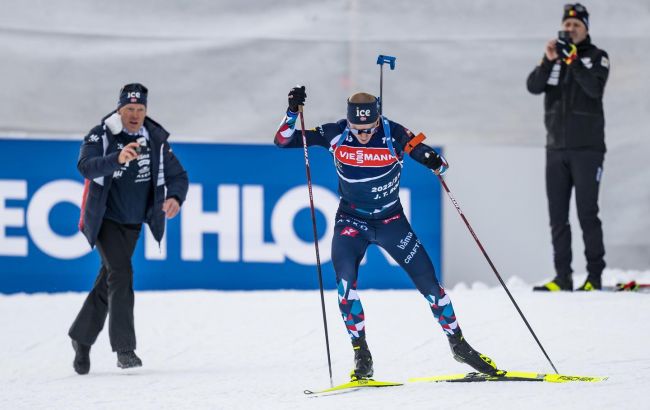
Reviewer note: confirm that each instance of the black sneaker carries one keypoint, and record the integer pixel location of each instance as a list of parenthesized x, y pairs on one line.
[(557, 284), (362, 360), (592, 283), (81, 361), (127, 360), (464, 353)]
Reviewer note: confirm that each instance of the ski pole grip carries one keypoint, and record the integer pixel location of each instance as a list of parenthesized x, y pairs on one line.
[(381, 59)]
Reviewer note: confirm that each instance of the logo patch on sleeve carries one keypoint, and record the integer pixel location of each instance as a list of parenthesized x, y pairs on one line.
[(604, 61)]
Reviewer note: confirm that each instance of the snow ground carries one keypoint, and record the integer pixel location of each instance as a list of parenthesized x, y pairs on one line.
[(243, 350)]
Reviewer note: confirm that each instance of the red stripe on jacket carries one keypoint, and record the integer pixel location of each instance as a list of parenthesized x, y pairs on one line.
[(84, 197)]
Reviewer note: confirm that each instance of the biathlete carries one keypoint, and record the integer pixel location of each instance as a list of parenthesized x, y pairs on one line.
[(368, 150)]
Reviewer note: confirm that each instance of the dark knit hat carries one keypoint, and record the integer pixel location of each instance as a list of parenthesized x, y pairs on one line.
[(134, 93), (576, 11)]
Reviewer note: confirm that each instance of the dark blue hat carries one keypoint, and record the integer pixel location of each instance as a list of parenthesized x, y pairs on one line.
[(134, 93), (576, 11), (363, 113)]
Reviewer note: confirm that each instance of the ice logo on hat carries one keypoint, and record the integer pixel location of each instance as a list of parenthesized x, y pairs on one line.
[(363, 114), (134, 96)]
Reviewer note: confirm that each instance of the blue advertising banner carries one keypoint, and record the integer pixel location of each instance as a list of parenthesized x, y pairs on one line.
[(245, 224)]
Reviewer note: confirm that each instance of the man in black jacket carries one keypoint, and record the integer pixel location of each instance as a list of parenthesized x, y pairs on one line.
[(572, 74), (128, 166)]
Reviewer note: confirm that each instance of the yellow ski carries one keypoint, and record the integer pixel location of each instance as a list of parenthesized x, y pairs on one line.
[(355, 385), (506, 376), (503, 376)]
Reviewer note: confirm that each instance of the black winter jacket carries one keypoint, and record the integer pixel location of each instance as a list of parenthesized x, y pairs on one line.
[(98, 166), (573, 104)]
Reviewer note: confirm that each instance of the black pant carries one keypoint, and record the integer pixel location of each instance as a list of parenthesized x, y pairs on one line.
[(352, 235), (112, 293), (564, 171)]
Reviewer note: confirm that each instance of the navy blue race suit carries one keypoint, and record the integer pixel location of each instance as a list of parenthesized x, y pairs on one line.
[(370, 212)]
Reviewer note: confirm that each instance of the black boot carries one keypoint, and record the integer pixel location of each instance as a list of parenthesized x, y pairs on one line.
[(593, 282), (464, 353), (362, 359), (126, 360), (557, 284), (81, 361)]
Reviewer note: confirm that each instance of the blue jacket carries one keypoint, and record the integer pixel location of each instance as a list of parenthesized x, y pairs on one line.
[(98, 166)]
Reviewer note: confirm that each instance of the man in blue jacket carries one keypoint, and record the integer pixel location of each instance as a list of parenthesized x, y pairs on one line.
[(132, 177)]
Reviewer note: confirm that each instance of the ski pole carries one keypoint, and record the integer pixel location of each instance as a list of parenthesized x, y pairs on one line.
[(494, 269), (313, 221), (381, 59)]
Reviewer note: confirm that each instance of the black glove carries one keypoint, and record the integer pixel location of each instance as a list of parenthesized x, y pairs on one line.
[(566, 50), (297, 97), (436, 162)]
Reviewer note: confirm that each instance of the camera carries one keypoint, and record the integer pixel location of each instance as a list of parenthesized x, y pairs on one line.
[(564, 35), (142, 143)]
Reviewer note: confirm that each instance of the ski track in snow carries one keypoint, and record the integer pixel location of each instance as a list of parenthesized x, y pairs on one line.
[(242, 350)]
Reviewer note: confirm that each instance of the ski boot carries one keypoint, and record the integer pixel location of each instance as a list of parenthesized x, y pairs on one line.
[(558, 283), (128, 359), (362, 360), (81, 361), (464, 353), (592, 283)]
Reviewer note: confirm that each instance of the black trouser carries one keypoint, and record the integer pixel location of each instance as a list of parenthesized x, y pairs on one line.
[(112, 293), (352, 235), (564, 171)]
